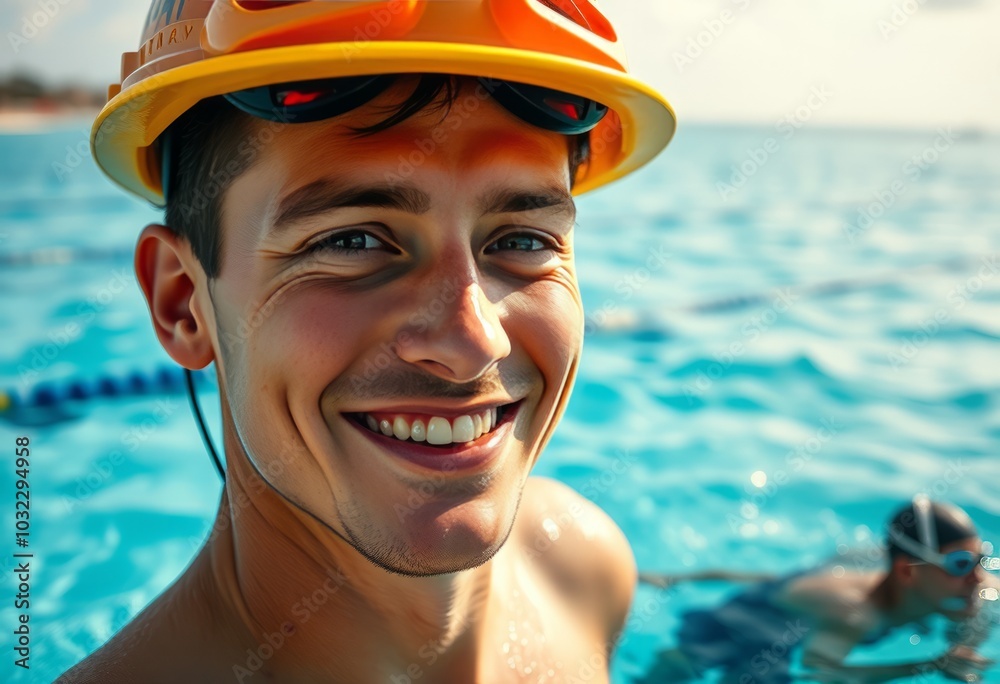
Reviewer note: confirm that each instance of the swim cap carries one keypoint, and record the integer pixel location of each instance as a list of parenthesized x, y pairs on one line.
[(194, 49), (947, 524)]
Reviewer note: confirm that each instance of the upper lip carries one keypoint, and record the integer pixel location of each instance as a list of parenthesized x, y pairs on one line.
[(439, 409)]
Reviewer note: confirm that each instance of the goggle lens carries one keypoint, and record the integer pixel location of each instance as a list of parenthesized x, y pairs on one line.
[(961, 563), (308, 101), (259, 5)]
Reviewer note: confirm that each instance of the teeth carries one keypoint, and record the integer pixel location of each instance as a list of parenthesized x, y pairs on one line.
[(462, 430), (400, 428), (438, 430)]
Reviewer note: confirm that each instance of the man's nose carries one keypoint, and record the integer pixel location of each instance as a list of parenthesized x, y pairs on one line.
[(460, 337)]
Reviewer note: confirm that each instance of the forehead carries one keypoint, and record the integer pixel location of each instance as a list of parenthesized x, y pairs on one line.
[(474, 142)]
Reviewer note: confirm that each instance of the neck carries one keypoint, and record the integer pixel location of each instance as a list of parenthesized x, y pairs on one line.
[(279, 571)]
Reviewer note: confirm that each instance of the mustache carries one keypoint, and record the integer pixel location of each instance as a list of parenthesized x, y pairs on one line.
[(396, 384)]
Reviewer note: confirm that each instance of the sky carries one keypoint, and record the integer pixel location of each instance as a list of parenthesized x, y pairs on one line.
[(859, 63)]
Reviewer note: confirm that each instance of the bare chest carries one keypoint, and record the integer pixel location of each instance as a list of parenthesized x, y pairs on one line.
[(536, 639)]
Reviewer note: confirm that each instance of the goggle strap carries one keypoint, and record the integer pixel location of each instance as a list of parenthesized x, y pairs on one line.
[(913, 547), (925, 524)]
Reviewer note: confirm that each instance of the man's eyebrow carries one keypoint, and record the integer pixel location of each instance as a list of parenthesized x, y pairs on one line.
[(326, 195), (511, 200), (323, 196)]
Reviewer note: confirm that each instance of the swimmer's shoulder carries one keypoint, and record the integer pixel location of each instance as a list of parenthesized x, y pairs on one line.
[(579, 549), (833, 600)]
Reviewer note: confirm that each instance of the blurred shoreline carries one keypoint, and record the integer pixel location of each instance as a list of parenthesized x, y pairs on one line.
[(31, 120), (27, 105)]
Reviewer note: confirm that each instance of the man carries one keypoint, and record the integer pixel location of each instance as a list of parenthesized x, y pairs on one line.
[(369, 229), (935, 566)]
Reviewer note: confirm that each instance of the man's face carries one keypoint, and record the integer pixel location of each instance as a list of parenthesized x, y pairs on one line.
[(452, 295), (953, 596)]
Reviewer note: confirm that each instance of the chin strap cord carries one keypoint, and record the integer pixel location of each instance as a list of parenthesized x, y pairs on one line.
[(189, 380)]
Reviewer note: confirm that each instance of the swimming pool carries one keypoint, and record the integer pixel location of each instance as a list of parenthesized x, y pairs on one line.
[(746, 326)]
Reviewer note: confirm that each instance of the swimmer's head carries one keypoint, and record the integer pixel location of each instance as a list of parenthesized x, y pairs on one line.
[(934, 550), (947, 524)]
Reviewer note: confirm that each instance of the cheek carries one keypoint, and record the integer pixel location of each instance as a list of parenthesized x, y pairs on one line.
[(547, 317), (312, 337)]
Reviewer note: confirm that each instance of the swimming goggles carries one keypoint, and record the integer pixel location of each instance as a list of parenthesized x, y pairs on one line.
[(316, 100), (308, 101), (957, 563)]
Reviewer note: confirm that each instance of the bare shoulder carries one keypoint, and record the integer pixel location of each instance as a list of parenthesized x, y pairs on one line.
[(579, 548), (833, 600)]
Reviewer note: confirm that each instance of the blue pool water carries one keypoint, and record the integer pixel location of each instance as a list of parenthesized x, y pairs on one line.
[(738, 338)]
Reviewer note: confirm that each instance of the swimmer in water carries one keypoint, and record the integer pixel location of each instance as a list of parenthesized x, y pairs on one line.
[(934, 567), (369, 232)]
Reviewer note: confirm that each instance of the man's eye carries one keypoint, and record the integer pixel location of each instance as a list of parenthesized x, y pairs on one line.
[(348, 242), (522, 242)]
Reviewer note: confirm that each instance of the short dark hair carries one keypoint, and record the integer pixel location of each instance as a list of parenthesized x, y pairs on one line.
[(213, 143), (951, 524)]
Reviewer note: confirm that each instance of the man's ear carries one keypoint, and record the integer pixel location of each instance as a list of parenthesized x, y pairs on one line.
[(168, 271), (902, 569)]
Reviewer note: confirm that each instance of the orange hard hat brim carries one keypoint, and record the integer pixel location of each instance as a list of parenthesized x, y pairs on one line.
[(641, 124)]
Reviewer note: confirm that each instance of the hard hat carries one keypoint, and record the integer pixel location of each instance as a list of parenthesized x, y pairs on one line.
[(194, 49)]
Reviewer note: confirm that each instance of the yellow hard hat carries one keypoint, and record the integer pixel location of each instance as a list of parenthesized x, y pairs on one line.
[(193, 49)]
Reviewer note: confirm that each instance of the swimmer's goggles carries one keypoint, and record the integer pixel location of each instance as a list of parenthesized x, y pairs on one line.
[(957, 563), (316, 100), (307, 101)]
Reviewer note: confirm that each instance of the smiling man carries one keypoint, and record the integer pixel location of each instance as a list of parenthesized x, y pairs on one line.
[(369, 231)]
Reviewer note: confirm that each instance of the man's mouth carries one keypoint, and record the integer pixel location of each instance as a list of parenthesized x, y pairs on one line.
[(434, 430)]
